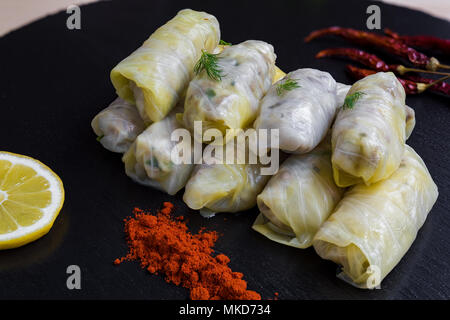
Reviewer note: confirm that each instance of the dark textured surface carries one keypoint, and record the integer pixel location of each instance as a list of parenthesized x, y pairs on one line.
[(53, 81)]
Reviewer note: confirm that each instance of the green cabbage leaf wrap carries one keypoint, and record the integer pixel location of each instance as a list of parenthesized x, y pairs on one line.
[(156, 75), (373, 226)]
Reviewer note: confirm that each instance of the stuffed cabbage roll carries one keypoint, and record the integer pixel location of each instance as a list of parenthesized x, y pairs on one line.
[(368, 136), (247, 70), (160, 70), (299, 198), (303, 113), (342, 90), (118, 125), (229, 186), (149, 162), (224, 187), (373, 226)]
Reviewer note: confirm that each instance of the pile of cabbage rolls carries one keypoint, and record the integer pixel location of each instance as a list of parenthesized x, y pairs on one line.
[(349, 184), (361, 195)]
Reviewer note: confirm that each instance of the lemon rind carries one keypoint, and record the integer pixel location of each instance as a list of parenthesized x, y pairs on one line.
[(24, 235)]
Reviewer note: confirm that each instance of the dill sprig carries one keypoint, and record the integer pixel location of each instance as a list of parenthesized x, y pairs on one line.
[(208, 62), (100, 137), (350, 100), (224, 43), (287, 85)]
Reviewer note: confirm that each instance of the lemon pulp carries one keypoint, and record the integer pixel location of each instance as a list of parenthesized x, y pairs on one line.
[(31, 196)]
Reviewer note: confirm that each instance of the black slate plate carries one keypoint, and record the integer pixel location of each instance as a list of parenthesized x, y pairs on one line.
[(53, 82)]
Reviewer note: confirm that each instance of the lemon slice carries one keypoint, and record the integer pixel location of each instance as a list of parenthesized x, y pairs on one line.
[(31, 196)]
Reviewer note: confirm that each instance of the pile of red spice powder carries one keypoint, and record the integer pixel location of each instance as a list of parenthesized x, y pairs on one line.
[(163, 244)]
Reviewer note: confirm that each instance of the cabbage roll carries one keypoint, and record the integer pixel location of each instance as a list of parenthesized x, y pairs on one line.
[(303, 114), (224, 187), (342, 90), (149, 162), (299, 198), (368, 136), (231, 103), (373, 226), (227, 186), (118, 125), (160, 70)]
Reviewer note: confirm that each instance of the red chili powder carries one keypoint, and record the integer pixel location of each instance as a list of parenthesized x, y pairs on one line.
[(163, 244)]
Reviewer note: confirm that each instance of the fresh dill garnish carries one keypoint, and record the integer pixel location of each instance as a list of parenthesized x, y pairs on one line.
[(208, 62), (287, 85), (100, 137), (224, 43), (350, 100)]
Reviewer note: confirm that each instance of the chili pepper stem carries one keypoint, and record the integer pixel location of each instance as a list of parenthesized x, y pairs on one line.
[(443, 66), (421, 87), (402, 70), (434, 64)]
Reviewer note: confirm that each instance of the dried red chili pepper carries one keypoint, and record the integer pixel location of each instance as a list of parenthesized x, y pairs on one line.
[(441, 87), (369, 60), (425, 42), (386, 43), (359, 73), (411, 87)]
